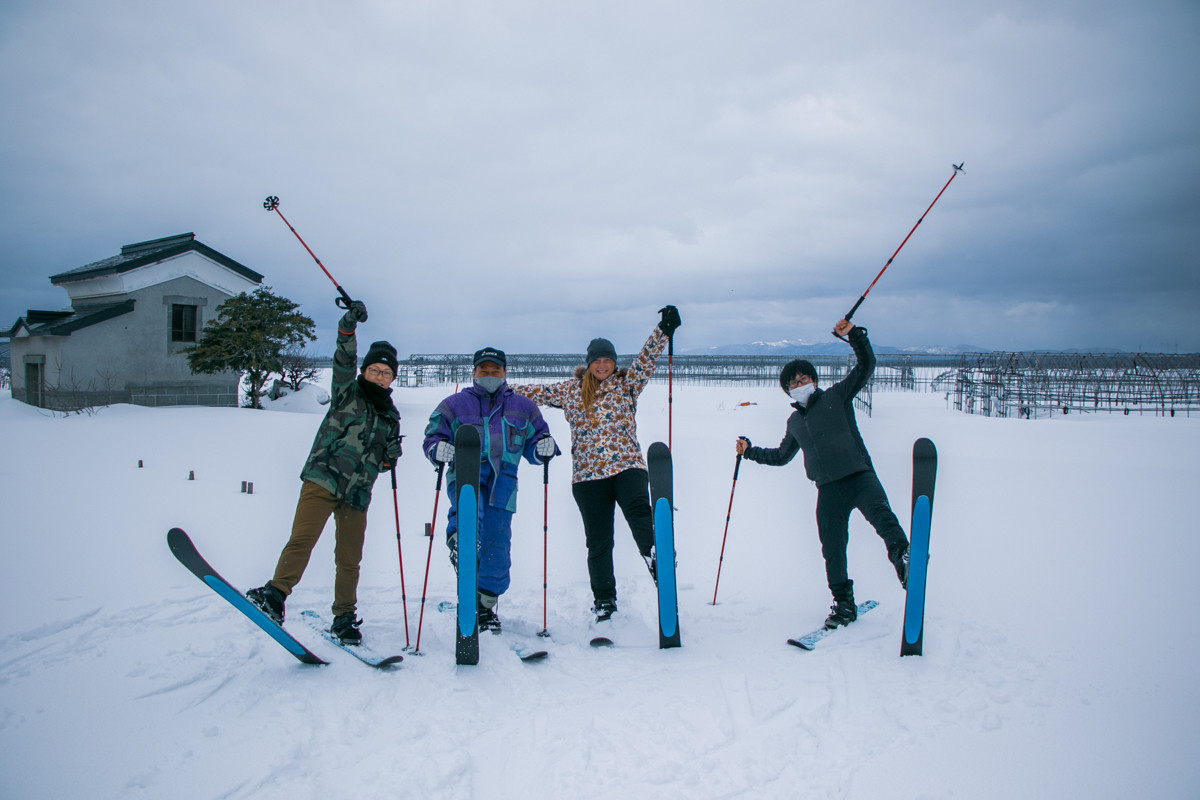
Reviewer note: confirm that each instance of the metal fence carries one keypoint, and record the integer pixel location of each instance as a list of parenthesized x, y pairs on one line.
[(1032, 385), (1028, 385)]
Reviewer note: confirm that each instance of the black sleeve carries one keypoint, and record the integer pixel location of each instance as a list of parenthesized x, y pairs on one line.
[(774, 456), (864, 365)]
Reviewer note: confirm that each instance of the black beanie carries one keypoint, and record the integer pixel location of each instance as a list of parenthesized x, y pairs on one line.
[(794, 368), (600, 348), (381, 353)]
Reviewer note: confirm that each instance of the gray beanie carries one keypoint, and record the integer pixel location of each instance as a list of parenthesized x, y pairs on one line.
[(600, 348)]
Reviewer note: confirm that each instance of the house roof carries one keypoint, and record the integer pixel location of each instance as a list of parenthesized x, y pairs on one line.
[(139, 254), (64, 323)]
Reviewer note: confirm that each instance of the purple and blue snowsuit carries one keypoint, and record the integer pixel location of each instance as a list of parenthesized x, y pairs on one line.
[(510, 427)]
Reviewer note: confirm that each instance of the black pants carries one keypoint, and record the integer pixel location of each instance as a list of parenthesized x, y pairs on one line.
[(596, 500), (835, 501)]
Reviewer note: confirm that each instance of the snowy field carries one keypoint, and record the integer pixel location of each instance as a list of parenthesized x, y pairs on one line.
[(1061, 650)]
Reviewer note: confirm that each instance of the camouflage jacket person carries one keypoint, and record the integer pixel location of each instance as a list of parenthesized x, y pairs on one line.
[(350, 448)]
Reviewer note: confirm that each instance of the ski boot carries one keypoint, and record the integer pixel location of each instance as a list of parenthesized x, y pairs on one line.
[(486, 613), (604, 609), (268, 600), (651, 564), (345, 628), (899, 558), (843, 611)]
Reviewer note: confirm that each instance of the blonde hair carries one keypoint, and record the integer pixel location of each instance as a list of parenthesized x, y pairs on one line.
[(588, 386)]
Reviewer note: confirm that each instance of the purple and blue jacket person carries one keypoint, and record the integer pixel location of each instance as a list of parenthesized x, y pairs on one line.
[(511, 428)]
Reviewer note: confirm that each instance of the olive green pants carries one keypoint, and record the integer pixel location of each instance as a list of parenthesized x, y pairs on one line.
[(312, 512)]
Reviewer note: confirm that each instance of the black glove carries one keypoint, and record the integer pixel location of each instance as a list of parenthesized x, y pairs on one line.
[(670, 319), (392, 453), (355, 314)]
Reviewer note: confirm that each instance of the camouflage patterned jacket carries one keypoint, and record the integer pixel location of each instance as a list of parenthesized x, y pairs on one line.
[(348, 451)]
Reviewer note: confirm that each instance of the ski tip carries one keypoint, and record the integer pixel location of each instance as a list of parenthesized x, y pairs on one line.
[(601, 641), (390, 661), (800, 644), (531, 657)]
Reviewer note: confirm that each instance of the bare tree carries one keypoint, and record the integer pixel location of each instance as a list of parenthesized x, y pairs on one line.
[(296, 366)]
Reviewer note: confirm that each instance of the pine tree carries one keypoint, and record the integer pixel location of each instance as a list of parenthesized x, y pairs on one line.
[(249, 335)]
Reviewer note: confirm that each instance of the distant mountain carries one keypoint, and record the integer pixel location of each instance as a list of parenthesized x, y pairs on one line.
[(795, 347)]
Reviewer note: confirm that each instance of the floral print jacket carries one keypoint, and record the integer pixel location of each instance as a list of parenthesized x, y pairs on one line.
[(604, 442)]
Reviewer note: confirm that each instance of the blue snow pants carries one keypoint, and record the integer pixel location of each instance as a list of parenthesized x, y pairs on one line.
[(495, 537)]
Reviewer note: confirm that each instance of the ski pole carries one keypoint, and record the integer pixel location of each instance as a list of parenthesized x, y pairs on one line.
[(429, 556), (400, 552), (545, 541), (272, 204), (670, 386), (957, 169), (729, 513)]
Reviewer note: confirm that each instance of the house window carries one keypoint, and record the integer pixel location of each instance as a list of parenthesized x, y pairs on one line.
[(183, 323)]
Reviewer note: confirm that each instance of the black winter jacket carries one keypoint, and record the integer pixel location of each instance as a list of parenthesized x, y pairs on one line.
[(825, 429)]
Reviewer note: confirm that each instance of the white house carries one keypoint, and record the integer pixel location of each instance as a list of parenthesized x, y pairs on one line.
[(131, 315)]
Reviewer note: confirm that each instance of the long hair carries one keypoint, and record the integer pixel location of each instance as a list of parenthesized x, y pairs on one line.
[(588, 387)]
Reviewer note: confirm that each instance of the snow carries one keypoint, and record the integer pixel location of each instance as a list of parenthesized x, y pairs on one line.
[(1060, 645)]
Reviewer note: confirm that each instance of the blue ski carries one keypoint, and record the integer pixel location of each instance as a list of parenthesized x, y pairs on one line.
[(466, 479), (183, 548), (658, 459), (924, 479), (361, 652), (809, 640)]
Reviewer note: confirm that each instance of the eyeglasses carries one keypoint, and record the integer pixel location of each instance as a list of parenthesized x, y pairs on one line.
[(799, 380), (379, 372)]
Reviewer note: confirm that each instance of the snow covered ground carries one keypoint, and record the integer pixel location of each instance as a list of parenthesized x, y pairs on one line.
[(1061, 649)]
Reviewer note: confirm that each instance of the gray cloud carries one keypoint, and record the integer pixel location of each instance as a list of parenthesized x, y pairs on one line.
[(533, 174)]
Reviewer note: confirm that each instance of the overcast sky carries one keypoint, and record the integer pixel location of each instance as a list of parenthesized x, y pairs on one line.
[(529, 175)]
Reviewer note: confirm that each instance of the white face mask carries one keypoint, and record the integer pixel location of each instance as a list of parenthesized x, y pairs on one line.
[(801, 393)]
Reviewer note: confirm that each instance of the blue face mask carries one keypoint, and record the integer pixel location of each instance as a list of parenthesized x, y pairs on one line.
[(489, 383)]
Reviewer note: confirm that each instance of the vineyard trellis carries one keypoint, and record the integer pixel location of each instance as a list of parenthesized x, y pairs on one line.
[(1027, 385), (1032, 385)]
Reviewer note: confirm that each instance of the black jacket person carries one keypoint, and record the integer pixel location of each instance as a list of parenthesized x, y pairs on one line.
[(823, 427)]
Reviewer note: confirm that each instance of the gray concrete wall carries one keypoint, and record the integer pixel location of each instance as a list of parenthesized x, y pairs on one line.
[(130, 358)]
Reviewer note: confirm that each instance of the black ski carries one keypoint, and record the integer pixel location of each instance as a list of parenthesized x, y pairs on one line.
[(924, 478), (527, 653), (658, 459), (183, 548), (466, 479), (359, 651)]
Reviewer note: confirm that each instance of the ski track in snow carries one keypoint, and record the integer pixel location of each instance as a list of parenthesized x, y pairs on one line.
[(156, 687)]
